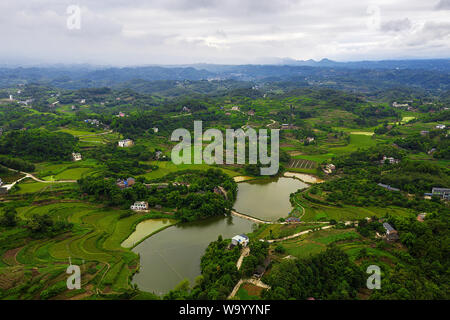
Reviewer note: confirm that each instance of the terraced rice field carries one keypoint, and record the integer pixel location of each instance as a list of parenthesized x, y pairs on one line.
[(95, 242), (322, 212)]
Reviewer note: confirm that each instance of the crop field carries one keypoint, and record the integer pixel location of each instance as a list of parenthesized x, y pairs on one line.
[(275, 231), (317, 241), (249, 291), (302, 164), (322, 212), (166, 167), (30, 186), (66, 170)]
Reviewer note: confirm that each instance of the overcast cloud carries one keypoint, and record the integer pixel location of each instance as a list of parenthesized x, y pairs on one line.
[(139, 32)]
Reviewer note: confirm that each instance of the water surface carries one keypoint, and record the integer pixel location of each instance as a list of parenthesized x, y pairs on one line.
[(174, 254), (267, 199)]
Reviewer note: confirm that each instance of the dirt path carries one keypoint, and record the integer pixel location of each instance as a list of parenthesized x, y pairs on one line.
[(245, 253), (243, 216), (298, 204), (296, 235), (29, 175)]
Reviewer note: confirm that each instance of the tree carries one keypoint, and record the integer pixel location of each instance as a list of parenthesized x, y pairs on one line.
[(9, 218)]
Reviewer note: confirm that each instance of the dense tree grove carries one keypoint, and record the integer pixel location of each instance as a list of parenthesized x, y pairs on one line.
[(219, 272), (416, 177), (17, 164), (328, 275), (44, 226), (423, 272), (38, 145), (192, 193), (258, 252)]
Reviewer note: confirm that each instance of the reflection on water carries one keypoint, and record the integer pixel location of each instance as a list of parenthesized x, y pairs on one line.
[(267, 199)]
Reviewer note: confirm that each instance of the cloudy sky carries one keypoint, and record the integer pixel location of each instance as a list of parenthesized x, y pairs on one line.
[(140, 32)]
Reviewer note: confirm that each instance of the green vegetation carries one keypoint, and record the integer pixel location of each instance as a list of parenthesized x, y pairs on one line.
[(348, 121)]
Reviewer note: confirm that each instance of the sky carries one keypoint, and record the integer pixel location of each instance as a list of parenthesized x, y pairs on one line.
[(145, 32)]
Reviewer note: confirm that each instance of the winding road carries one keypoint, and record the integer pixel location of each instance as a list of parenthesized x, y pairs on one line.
[(29, 175)]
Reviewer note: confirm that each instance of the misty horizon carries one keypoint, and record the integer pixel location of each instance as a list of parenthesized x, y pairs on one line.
[(181, 32)]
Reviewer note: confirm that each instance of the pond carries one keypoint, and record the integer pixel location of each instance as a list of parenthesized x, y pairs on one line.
[(174, 254), (267, 199)]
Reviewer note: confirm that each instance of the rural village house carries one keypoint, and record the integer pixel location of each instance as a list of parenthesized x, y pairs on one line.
[(125, 143), (391, 233), (139, 206)]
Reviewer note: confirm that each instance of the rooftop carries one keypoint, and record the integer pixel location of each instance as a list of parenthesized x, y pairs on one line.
[(388, 227)]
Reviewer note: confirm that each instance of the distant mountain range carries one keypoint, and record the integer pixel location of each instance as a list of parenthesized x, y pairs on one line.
[(431, 74), (425, 64)]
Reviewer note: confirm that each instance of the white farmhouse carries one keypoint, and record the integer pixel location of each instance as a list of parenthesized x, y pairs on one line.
[(76, 156), (241, 239), (139, 206), (126, 143)]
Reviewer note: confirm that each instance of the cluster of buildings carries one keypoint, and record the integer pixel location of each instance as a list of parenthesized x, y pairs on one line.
[(292, 220), (25, 102), (440, 126), (243, 241), (235, 108), (93, 122), (125, 143), (122, 184), (390, 160), (443, 193), (399, 105)]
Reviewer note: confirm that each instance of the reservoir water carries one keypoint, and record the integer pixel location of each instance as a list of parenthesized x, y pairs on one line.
[(174, 254), (267, 199)]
